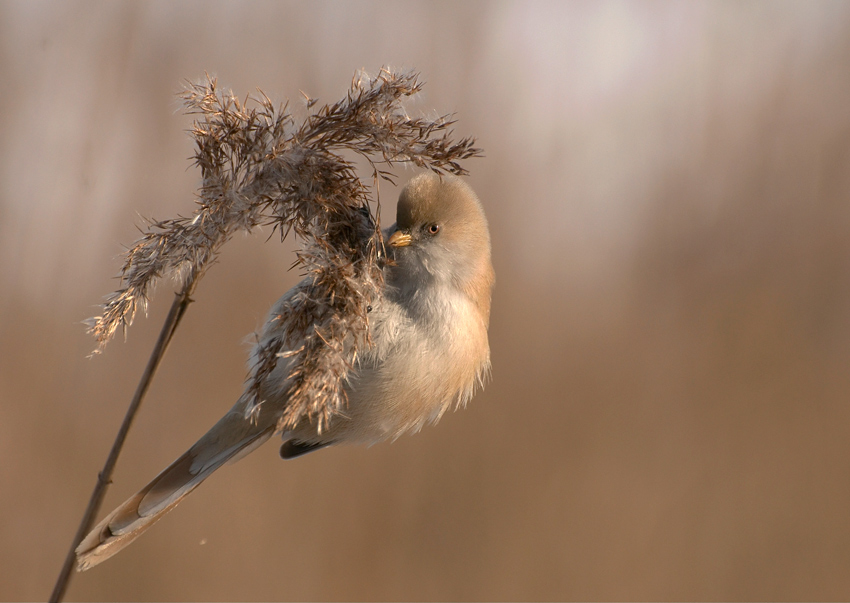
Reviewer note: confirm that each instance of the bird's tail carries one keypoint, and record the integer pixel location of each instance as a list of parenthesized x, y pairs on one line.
[(232, 438)]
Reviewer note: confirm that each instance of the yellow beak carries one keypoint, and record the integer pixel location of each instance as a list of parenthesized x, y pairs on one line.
[(399, 239)]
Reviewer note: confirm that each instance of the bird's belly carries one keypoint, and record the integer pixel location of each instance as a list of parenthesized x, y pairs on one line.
[(411, 377), (395, 397)]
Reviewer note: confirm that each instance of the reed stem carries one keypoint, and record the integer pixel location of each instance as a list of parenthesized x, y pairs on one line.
[(104, 478)]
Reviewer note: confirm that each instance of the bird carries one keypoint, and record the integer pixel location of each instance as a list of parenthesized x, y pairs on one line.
[(430, 351)]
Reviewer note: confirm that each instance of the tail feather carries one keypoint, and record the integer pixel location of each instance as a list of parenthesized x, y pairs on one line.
[(143, 509)]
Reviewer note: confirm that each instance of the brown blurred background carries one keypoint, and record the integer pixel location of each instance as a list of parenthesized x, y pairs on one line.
[(668, 188)]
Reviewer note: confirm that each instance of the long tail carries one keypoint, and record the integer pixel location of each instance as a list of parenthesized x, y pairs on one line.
[(229, 440)]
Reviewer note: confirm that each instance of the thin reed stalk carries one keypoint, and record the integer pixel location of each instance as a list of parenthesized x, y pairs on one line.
[(104, 478)]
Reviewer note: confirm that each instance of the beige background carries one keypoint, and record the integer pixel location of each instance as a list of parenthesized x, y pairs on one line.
[(668, 187)]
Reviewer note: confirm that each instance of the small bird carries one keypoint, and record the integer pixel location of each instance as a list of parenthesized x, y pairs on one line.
[(430, 351)]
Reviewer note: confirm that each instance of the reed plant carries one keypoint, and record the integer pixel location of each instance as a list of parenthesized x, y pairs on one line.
[(260, 166)]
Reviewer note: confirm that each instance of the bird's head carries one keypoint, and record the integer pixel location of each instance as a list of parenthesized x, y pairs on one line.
[(441, 237)]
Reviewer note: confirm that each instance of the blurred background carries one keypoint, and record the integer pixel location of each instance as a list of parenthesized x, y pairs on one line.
[(667, 187)]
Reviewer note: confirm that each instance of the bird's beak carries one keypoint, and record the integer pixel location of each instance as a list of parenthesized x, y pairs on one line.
[(399, 239)]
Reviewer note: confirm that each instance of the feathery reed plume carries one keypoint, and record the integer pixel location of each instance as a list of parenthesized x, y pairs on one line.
[(260, 167)]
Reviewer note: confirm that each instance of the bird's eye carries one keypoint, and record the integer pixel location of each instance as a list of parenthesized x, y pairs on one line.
[(433, 229)]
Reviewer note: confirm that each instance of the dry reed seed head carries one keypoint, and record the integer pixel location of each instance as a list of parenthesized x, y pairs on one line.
[(259, 167)]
